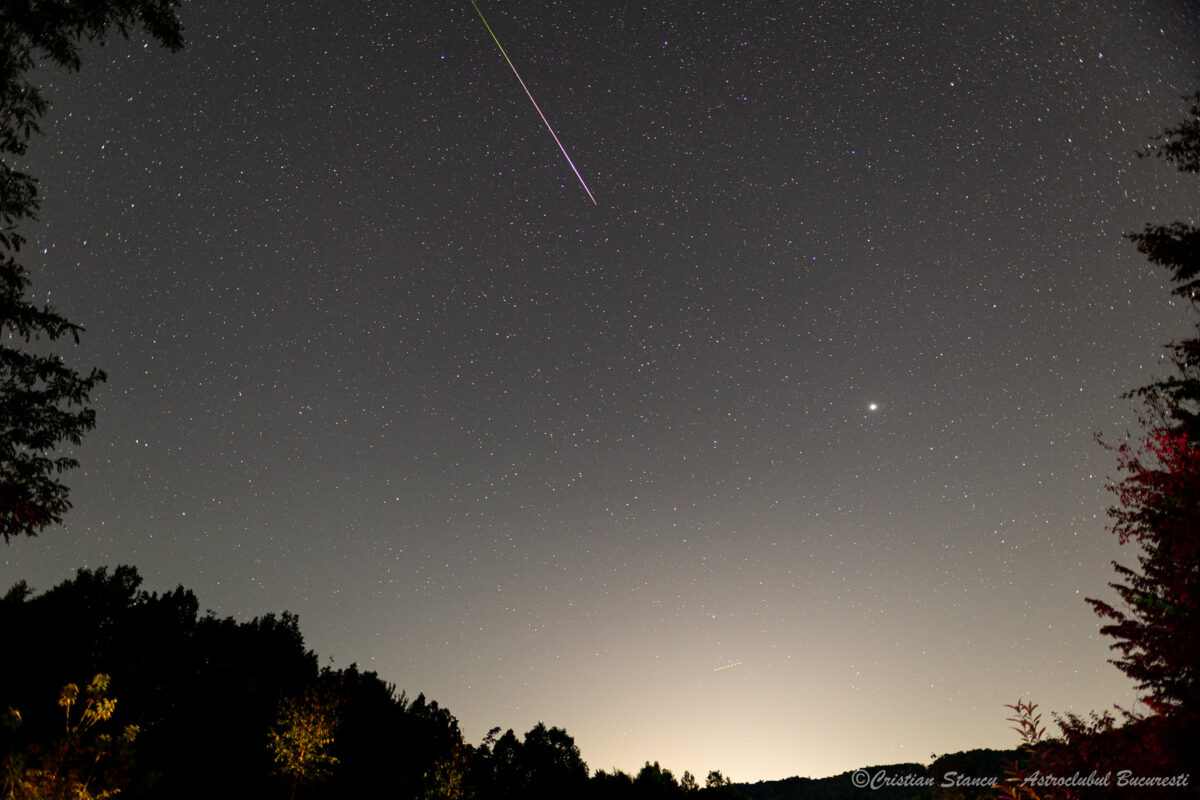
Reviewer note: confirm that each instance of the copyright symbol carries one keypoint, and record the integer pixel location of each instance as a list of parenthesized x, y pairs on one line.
[(860, 779)]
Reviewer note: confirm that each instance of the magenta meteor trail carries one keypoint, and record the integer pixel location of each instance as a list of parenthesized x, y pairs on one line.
[(535, 105)]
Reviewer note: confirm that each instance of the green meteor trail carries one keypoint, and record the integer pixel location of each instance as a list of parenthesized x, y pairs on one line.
[(535, 105)]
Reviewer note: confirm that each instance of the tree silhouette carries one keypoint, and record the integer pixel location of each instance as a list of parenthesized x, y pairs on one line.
[(43, 402), (387, 744), (553, 763), (1157, 632), (715, 780), (616, 783), (654, 780), (546, 763)]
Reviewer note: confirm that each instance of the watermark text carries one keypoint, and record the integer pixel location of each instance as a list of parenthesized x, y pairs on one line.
[(1124, 778)]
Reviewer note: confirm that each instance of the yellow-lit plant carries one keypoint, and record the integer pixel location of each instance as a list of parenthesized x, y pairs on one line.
[(301, 738), (82, 765), (447, 780)]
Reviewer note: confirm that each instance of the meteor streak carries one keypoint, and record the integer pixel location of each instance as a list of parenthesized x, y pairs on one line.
[(535, 105), (729, 666)]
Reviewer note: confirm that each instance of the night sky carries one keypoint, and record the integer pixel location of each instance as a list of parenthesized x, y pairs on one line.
[(778, 460)]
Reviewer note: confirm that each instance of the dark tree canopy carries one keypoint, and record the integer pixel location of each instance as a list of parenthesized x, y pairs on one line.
[(226, 708), (206, 692), (1180, 144), (1157, 631), (545, 764), (43, 402), (1176, 246)]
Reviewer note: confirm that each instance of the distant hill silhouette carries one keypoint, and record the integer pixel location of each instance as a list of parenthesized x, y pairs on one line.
[(949, 777)]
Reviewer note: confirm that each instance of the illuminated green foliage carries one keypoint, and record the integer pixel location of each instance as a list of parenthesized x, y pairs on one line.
[(301, 739), (448, 778)]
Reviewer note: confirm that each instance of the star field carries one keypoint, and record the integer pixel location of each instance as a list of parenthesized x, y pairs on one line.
[(813, 389)]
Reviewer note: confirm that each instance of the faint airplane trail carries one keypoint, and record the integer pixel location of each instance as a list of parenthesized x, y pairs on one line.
[(535, 105), (729, 666)]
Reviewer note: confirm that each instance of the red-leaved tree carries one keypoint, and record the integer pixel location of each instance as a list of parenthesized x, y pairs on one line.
[(1158, 506)]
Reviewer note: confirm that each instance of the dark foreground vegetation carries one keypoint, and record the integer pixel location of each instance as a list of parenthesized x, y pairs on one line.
[(210, 707), (192, 705)]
